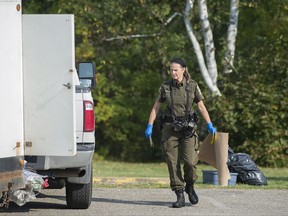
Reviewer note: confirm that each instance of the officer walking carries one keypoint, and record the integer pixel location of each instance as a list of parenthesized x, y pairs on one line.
[(178, 129)]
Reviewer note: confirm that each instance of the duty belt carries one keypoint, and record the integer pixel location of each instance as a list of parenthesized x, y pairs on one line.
[(169, 119)]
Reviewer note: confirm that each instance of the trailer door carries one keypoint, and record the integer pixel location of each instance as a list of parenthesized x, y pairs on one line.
[(49, 90), (11, 87)]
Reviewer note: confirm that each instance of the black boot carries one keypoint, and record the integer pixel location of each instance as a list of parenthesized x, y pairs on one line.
[(193, 198), (180, 199)]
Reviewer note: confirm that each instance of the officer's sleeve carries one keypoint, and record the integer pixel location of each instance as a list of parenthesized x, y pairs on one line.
[(160, 96), (198, 95)]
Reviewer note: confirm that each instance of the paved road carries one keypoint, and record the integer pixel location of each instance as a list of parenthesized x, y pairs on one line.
[(125, 202)]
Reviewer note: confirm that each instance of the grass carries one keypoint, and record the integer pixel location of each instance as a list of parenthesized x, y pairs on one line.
[(155, 175), (122, 169)]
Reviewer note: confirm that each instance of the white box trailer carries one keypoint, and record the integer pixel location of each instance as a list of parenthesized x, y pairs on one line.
[(47, 112)]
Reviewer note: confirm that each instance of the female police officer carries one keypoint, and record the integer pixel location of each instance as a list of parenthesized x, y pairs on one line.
[(178, 129)]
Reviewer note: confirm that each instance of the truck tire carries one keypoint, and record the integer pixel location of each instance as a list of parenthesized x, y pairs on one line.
[(78, 196)]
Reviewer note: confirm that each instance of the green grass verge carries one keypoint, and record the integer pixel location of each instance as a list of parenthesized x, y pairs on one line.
[(155, 175)]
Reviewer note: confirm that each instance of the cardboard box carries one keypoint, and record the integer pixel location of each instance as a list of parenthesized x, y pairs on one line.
[(211, 177)]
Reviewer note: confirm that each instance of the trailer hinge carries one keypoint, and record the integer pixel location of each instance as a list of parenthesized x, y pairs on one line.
[(18, 144), (28, 144)]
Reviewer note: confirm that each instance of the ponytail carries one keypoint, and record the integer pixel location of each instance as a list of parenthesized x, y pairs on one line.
[(187, 75)]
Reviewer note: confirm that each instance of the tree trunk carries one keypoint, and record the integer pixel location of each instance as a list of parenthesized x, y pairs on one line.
[(231, 36), (208, 41)]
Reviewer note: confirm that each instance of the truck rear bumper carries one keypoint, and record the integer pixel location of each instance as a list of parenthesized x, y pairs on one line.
[(83, 157)]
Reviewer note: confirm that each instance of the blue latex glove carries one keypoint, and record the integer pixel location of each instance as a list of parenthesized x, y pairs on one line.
[(148, 131), (211, 128)]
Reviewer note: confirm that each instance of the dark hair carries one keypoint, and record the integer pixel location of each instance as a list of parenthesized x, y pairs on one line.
[(178, 61)]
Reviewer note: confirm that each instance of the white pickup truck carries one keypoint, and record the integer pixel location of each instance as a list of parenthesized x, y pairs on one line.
[(47, 110)]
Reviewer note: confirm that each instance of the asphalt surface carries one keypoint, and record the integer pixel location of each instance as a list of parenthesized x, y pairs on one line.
[(136, 202)]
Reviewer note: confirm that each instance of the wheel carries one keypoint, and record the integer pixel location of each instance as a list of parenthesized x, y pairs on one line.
[(78, 196)]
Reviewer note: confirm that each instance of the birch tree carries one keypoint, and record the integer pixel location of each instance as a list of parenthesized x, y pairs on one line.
[(231, 36), (197, 49), (209, 70), (208, 41)]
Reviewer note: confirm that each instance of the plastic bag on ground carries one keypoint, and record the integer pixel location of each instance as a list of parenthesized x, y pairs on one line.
[(246, 168)]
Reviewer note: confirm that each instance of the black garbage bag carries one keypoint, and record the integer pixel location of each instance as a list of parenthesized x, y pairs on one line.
[(248, 172)]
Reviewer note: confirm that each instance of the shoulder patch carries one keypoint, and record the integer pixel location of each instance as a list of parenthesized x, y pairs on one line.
[(199, 90)]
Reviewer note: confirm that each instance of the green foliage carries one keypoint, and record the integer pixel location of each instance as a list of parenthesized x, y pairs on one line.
[(130, 71), (253, 107)]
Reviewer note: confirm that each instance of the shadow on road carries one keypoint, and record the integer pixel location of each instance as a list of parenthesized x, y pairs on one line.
[(129, 202)]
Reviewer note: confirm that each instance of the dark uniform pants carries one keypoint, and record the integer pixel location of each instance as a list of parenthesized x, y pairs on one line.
[(175, 145)]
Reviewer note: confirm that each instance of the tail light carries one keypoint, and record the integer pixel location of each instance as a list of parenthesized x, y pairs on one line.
[(89, 119)]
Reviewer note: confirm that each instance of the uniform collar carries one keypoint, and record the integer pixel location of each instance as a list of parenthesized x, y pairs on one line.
[(179, 84)]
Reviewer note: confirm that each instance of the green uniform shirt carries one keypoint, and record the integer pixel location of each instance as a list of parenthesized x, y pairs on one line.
[(179, 96)]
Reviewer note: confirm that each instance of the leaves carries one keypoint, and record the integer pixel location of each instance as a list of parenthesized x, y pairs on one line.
[(253, 108)]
